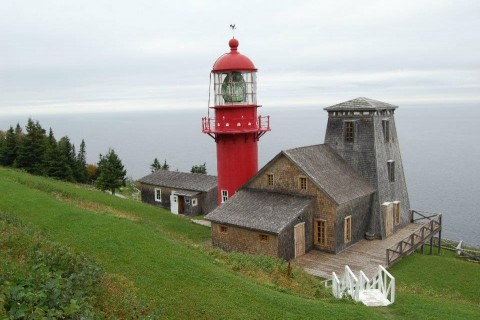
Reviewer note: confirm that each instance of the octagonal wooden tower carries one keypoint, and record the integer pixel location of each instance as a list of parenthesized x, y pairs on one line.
[(236, 127)]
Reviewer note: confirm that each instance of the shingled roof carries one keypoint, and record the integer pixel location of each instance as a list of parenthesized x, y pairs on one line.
[(264, 211), (330, 172), (361, 104), (181, 180)]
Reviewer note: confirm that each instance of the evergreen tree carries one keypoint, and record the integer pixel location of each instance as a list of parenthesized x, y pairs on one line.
[(52, 166), (19, 131), (67, 162), (165, 166), (111, 172), (8, 154), (81, 164), (201, 168), (32, 148), (2, 143), (155, 166)]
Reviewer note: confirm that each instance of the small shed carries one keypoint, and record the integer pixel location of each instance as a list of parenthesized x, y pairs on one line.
[(180, 192), (264, 222)]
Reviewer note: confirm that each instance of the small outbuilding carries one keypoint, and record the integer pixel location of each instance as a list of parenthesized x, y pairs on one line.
[(180, 192), (264, 222)]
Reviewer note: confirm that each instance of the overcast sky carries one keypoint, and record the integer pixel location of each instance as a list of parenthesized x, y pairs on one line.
[(60, 56)]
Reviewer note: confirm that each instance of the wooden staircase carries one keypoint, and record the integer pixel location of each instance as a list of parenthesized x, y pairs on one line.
[(375, 292)]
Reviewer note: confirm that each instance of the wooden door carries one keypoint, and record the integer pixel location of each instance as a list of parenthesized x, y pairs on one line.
[(181, 204), (174, 203), (387, 208), (299, 239)]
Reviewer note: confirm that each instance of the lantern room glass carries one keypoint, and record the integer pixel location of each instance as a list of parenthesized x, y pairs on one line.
[(235, 88)]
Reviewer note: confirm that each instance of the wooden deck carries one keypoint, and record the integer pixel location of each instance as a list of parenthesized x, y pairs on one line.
[(365, 255)]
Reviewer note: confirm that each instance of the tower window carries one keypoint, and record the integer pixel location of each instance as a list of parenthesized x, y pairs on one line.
[(302, 183), (224, 195), (347, 229), (270, 179), (386, 130), (158, 195), (349, 131), (391, 170)]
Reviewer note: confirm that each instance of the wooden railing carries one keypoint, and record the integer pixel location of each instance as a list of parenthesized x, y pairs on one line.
[(350, 285), (419, 237)]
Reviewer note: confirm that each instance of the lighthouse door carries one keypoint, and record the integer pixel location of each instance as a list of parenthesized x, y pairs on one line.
[(299, 239), (174, 203)]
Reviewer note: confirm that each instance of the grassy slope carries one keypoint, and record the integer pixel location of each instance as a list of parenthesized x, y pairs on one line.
[(159, 253)]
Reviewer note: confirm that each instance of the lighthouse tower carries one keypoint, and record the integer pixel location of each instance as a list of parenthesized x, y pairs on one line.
[(236, 127)]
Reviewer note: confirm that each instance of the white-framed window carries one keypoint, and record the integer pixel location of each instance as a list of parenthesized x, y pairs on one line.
[(158, 195), (194, 202), (347, 229), (224, 195)]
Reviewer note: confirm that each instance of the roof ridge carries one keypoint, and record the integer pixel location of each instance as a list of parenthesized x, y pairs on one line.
[(361, 103), (304, 147), (279, 192)]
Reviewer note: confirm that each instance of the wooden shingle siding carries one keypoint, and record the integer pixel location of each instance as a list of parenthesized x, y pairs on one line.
[(286, 179), (360, 211), (243, 240), (206, 201)]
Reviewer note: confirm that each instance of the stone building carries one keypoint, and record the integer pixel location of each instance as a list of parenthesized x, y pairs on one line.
[(180, 192), (325, 197)]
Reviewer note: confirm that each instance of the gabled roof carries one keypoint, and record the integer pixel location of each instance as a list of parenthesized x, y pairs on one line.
[(181, 180), (361, 104), (260, 210), (328, 171)]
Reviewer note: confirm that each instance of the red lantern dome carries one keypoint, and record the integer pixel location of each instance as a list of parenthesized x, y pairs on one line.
[(233, 60)]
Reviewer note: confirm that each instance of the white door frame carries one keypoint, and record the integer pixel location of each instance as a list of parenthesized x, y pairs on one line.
[(174, 203)]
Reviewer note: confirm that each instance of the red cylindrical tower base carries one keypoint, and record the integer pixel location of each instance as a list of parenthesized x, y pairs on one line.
[(237, 161)]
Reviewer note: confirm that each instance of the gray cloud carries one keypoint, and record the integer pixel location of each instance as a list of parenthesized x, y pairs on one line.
[(108, 55)]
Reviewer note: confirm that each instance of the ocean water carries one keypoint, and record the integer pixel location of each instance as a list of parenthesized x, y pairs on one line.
[(439, 144)]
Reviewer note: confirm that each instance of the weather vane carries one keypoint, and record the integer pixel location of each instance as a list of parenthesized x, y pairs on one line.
[(232, 26)]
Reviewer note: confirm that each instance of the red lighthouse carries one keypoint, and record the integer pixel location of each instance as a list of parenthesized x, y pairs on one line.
[(236, 126)]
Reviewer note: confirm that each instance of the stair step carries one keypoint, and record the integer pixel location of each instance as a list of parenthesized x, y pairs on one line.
[(373, 298)]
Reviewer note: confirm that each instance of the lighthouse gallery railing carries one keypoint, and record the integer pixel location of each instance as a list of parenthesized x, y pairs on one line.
[(232, 125)]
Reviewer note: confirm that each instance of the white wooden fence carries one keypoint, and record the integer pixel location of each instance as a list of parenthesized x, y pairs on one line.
[(380, 290)]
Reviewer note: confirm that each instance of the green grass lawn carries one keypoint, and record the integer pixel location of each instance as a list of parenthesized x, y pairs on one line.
[(165, 258)]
